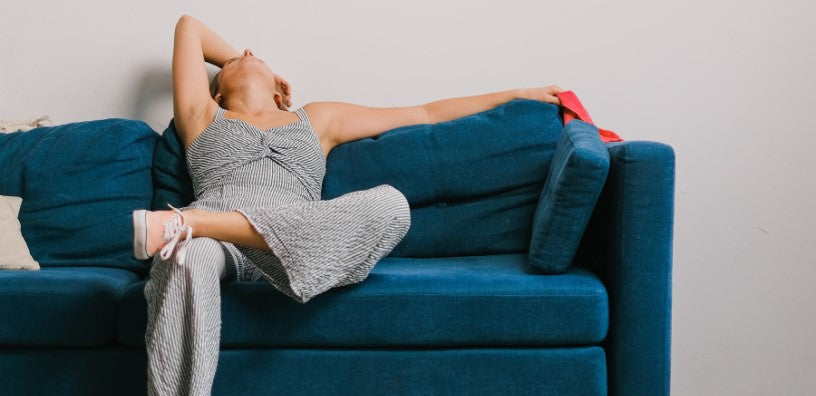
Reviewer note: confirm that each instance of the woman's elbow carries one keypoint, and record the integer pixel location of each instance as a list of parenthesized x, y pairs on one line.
[(183, 21), (426, 115)]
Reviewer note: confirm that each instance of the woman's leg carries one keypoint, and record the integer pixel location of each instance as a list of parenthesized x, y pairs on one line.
[(225, 226), (230, 226), (326, 243), (184, 318)]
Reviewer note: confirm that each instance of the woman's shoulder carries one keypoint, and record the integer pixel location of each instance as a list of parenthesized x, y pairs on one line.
[(320, 114), (317, 114)]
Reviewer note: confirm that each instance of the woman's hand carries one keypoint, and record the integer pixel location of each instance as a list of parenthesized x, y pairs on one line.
[(282, 86), (544, 94)]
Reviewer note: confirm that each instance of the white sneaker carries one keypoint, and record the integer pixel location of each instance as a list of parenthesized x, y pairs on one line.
[(172, 244)]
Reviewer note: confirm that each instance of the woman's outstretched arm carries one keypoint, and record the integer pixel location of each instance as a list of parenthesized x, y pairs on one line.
[(449, 109), (345, 122)]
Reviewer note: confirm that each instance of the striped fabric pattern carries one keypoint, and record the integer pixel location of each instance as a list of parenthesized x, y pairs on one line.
[(184, 318), (274, 178)]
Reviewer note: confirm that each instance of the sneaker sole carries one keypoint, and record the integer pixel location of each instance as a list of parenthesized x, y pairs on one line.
[(140, 234)]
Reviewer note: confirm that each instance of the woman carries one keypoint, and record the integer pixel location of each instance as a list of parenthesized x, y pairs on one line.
[(257, 171)]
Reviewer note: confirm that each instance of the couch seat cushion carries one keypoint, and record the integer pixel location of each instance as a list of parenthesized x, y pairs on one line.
[(65, 306), (476, 300)]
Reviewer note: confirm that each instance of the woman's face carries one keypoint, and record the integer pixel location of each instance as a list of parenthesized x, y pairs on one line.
[(246, 72)]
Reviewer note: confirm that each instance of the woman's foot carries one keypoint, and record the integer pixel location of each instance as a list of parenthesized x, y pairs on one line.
[(154, 230)]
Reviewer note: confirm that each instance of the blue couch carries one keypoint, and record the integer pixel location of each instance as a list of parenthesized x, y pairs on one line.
[(457, 308)]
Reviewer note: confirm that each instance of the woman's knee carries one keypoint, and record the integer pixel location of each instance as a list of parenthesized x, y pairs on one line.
[(203, 255), (206, 264), (398, 206)]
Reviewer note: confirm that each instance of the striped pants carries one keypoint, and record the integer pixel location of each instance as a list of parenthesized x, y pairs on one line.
[(184, 317), (350, 234)]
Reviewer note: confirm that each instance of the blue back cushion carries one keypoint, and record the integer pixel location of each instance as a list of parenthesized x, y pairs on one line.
[(171, 179), (574, 183), (473, 183), (80, 183)]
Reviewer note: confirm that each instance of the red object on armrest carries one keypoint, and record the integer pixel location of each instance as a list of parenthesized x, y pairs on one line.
[(574, 109)]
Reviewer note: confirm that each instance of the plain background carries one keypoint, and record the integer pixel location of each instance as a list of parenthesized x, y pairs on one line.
[(728, 84)]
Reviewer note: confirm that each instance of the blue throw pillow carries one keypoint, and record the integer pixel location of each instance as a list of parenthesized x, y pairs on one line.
[(473, 183), (80, 183), (577, 175), (171, 179)]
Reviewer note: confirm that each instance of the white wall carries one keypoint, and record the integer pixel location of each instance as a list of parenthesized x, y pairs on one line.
[(728, 84)]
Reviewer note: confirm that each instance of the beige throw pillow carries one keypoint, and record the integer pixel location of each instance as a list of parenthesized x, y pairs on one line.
[(14, 253)]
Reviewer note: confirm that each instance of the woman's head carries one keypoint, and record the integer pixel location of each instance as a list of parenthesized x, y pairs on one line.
[(246, 79)]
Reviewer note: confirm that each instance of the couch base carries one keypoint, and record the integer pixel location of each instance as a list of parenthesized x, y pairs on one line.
[(460, 371), (109, 370)]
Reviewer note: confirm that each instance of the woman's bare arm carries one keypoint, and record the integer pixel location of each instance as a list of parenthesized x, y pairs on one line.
[(345, 122), (194, 43)]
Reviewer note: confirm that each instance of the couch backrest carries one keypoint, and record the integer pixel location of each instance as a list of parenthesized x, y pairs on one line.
[(80, 183), (473, 183)]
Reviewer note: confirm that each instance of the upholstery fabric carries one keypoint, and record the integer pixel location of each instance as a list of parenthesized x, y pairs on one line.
[(80, 183), (14, 253), (577, 175), (171, 179), (472, 183), (397, 371), (114, 370), (461, 301), (629, 244), (61, 306), (65, 371)]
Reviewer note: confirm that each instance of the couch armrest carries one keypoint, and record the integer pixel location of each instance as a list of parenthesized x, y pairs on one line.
[(628, 243)]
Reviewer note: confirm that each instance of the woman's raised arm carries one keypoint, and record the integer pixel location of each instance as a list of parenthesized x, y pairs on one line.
[(193, 44)]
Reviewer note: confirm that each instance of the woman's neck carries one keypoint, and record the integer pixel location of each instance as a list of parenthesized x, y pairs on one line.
[(254, 104)]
